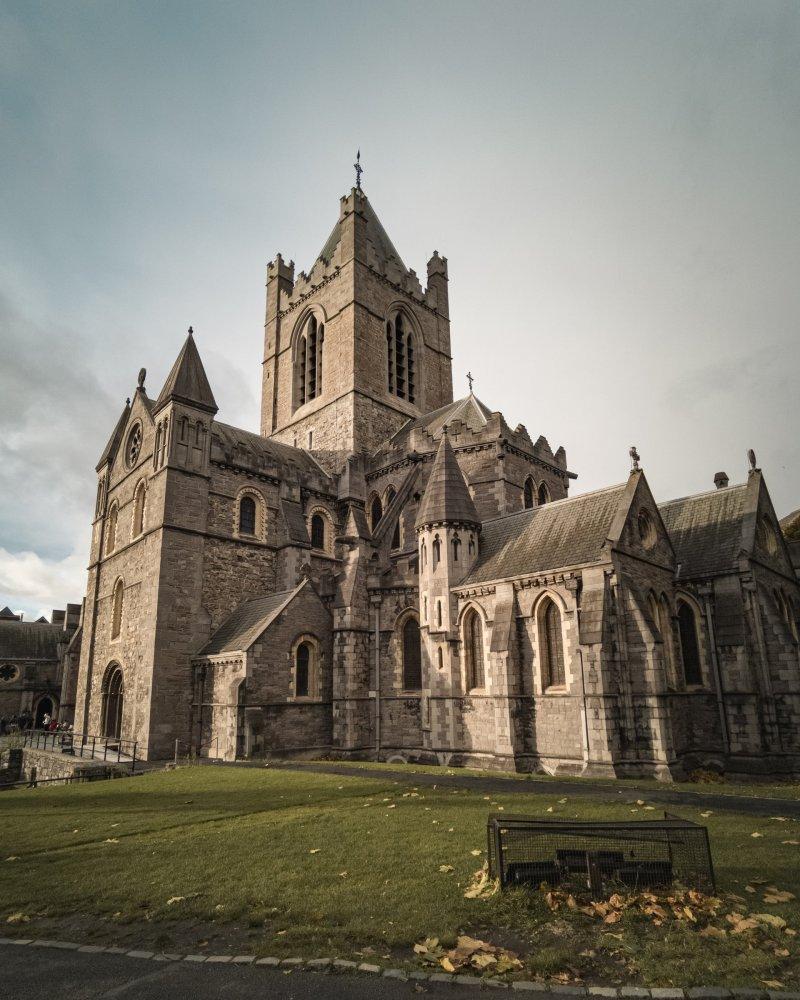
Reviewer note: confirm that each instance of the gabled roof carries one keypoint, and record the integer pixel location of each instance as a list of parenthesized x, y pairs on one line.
[(187, 381), (238, 632), (562, 533), (38, 640), (706, 530), (470, 410), (376, 235), (8, 615), (267, 450), (110, 449), (447, 496)]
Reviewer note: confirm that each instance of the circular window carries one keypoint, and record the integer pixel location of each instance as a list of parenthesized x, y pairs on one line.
[(9, 672), (647, 530), (134, 446)]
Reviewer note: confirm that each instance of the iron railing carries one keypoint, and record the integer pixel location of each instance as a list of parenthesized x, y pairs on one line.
[(108, 749), (602, 857)]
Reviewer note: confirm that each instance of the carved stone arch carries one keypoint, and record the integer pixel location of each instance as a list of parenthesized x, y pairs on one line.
[(117, 607), (111, 528), (690, 639), (375, 510), (306, 660), (245, 517), (112, 691), (473, 635), (139, 508), (529, 493), (320, 542), (549, 610), (307, 353)]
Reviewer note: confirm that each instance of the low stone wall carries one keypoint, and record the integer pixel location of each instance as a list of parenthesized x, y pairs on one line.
[(47, 765)]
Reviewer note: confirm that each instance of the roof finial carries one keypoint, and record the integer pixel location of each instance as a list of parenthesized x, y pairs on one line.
[(635, 458), (359, 170), (142, 377), (470, 379), (191, 332), (751, 458)]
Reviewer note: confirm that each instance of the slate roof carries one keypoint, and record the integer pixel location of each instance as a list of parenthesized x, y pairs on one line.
[(8, 615), (706, 530), (562, 533), (271, 452), (296, 526), (187, 380), (30, 640), (470, 410), (447, 496), (376, 235), (238, 632), (110, 449)]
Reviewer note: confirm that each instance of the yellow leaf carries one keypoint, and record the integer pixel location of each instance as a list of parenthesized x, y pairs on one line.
[(315, 850), (773, 984), (447, 965), (793, 843), (756, 834), (446, 868), (476, 853), (17, 918), (706, 814), (175, 899)]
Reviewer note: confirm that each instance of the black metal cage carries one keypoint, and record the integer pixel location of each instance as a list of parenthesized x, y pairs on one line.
[(602, 857)]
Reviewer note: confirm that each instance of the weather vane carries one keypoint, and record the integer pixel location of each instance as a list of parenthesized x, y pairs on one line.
[(470, 379), (359, 170)]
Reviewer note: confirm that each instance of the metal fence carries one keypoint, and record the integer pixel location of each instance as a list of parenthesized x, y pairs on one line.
[(108, 749), (603, 857)]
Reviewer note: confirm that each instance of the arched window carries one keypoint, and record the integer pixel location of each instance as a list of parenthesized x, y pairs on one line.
[(111, 529), (308, 361), (425, 609), (690, 648), (318, 540), (412, 656), (396, 535), (551, 645), (160, 452), (184, 428), (440, 658), (439, 613), (401, 371), (543, 493), (655, 617), (302, 671), (113, 697), (528, 494), (247, 515), (375, 512), (139, 499), (456, 543), (473, 650), (471, 545), (437, 551), (423, 553), (116, 609)]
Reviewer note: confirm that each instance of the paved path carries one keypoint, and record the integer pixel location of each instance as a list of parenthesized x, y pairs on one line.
[(31, 973), (655, 795)]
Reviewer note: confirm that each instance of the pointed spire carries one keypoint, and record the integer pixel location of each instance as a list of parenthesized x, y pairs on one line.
[(447, 496), (187, 381), (110, 449)]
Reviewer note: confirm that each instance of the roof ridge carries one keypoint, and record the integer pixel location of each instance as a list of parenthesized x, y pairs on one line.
[(704, 493), (555, 503)]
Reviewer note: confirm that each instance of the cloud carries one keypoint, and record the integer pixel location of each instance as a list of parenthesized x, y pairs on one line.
[(35, 585)]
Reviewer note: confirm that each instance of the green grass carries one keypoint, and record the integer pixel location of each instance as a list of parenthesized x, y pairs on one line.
[(237, 845)]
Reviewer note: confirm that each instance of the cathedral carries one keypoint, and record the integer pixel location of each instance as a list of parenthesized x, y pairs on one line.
[(384, 572)]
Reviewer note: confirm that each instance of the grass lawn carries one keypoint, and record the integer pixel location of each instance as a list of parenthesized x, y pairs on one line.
[(295, 863)]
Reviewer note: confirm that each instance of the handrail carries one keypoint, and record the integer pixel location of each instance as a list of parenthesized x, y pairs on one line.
[(109, 749)]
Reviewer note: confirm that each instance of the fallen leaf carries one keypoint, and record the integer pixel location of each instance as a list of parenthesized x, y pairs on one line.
[(446, 868), (778, 897), (315, 850), (111, 840), (770, 919), (175, 899), (772, 983), (476, 853), (756, 834), (706, 814), (13, 857), (793, 843), (18, 918)]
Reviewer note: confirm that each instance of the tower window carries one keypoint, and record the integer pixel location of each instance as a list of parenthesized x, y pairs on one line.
[(139, 501), (543, 493), (437, 551), (528, 494), (116, 610), (412, 656), (111, 529), (473, 650), (456, 543), (375, 512), (401, 360), (308, 361)]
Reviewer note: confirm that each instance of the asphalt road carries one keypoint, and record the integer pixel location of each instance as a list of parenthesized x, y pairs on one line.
[(703, 798), (32, 973)]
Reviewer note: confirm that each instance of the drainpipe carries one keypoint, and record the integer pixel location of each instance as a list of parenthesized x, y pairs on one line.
[(586, 753), (377, 677), (712, 641)]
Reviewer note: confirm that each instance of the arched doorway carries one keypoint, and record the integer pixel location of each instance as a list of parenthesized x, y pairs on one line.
[(44, 707), (113, 698)]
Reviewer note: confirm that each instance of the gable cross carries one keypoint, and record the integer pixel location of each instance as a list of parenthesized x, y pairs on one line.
[(359, 170), (470, 380)]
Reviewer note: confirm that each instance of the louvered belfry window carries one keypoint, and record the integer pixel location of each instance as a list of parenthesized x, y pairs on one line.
[(308, 361), (401, 361)]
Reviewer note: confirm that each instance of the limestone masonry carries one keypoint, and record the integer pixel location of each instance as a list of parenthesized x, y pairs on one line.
[(387, 572)]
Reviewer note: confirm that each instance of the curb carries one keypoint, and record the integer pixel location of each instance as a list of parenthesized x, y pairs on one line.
[(329, 965)]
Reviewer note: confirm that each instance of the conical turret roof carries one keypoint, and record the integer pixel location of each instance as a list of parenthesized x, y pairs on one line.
[(447, 496), (187, 381)]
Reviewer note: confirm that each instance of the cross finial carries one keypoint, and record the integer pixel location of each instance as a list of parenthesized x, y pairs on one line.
[(359, 170), (470, 380), (191, 332), (635, 457)]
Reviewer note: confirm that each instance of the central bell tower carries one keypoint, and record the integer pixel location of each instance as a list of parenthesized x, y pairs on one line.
[(356, 347)]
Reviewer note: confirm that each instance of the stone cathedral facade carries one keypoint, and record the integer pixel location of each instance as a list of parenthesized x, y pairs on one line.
[(386, 572)]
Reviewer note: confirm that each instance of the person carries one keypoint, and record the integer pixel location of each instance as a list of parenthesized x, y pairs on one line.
[(45, 720), (53, 726)]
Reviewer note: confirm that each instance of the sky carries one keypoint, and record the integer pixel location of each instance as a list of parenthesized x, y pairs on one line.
[(615, 185)]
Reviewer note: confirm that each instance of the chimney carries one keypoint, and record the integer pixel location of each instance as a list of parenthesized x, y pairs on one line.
[(721, 480), (57, 617)]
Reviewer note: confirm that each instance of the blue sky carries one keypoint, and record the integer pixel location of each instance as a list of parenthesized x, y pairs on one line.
[(614, 184)]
